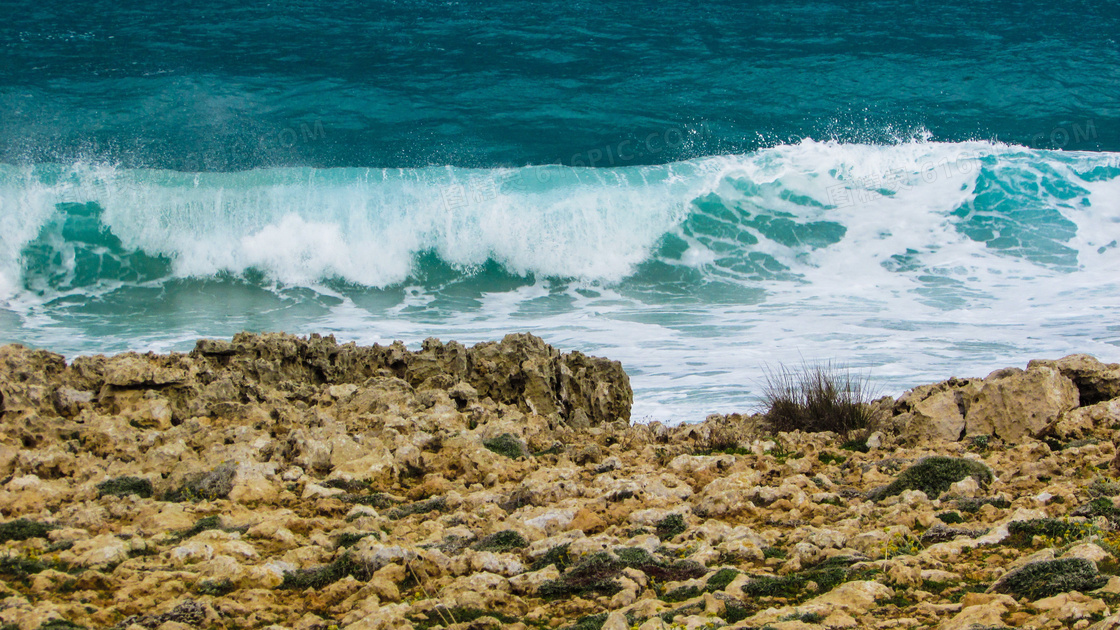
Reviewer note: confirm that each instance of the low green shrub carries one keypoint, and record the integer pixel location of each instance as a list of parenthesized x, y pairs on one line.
[(23, 529), (1057, 532), (318, 577), (682, 593), (671, 526), (558, 556), (721, 579), (950, 518), (435, 504), (501, 542), (770, 586), (125, 486), (597, 572), (1051, 577), (441, 615), (506, 445), (933, 476), (215, 588)]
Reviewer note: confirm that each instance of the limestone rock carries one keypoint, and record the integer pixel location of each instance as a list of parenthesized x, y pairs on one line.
[(1012, 404), (1096, 382)]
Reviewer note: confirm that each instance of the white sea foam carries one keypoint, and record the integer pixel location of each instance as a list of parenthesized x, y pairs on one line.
[(914, 260)]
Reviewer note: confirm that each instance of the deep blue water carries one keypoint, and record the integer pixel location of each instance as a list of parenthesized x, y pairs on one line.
[(697, 189)]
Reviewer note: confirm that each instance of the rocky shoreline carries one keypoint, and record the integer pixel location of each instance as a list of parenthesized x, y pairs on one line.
[(278, 482)]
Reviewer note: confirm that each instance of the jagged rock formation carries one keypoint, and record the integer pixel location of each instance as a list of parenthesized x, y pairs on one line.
[(278, 482)]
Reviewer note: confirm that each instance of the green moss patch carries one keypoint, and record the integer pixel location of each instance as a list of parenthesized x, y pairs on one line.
[(349, 539), (933, 476), (318, 577), (950, 518), (435, 504), (442, 616), (682, 593), (721, 579), (1045, 579), (596, 573), (23, 529), (671, 526), (506, 445), (501, 542), (125, 486), (787, 586), (20, 568), (215, 588)]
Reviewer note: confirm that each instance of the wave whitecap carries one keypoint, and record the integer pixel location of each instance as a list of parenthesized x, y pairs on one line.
[(939, 214)]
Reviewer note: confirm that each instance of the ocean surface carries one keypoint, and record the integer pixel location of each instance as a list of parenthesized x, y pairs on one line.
[(702, 191)]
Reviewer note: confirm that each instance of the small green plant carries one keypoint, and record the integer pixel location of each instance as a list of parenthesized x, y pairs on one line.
[(736, 611), (902, 544), (435, 504), (349, 485), (589, 622), (770, 586), (671, 526), (1102, 507), (596, 572), (502, 542), (318, 577), (682, 593), (721, 579), (811, 618), (856, 446), (1103, 487), (950, 518), (23, 529), (1051, 577), (774, 552), (60, 624), (125, 486), (1053, 532), (459, 615), (201, 525), (349, 539), (819, 398), (980, 443), (829, 458), (506, 445), (215, 588), (933, 476), (558, 556), (373, 499)]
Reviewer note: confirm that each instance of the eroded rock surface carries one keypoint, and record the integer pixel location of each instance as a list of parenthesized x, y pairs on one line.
[(278, 482)]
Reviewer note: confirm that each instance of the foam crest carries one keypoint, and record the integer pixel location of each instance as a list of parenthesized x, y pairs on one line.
[(918, 214)]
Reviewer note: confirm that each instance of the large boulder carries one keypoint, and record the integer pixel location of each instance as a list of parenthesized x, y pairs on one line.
[(1013, 403), (1096, 382)]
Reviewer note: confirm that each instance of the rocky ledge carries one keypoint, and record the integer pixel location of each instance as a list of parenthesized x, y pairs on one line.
[(279, 482)]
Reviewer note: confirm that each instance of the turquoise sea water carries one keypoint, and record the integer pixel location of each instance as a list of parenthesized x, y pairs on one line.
[(700, 190)]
